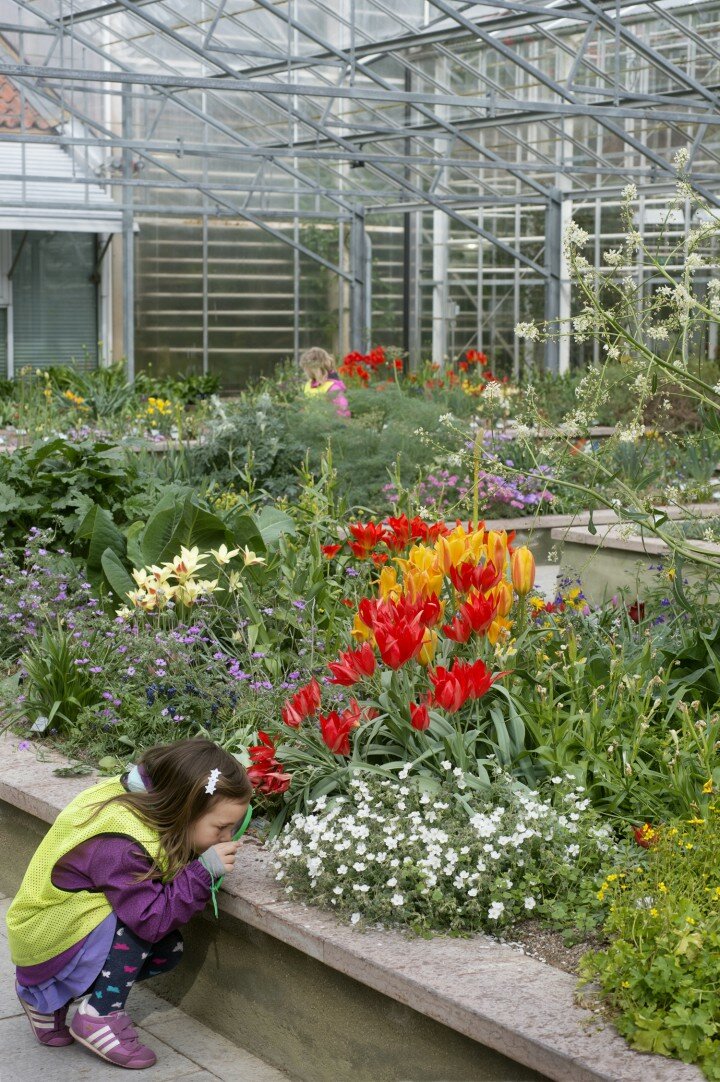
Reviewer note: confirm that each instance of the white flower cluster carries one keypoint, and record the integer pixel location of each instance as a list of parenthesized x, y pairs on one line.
[(575, 237), (531, 331), (402, 853)]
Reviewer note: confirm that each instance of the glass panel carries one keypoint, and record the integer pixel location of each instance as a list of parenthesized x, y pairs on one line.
[(55, 300)]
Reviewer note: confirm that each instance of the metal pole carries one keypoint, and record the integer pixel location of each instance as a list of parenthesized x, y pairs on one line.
[(128, 234), (358, 282), (553, 254)]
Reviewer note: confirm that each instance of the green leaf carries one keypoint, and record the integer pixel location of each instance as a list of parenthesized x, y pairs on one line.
[(101, 533), (116, 575), (274, 524)]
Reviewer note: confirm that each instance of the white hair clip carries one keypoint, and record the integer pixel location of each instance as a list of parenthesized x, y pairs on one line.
[(212, 781)]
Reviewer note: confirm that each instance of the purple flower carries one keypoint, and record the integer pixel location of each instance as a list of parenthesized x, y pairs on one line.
[(24, 745), (95, 668), (299, 604)]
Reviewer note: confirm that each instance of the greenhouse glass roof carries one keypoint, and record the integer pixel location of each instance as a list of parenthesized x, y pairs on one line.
[(499, 118)]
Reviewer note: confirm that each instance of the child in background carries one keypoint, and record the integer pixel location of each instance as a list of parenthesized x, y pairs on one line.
[(322, 378), (121, 869)]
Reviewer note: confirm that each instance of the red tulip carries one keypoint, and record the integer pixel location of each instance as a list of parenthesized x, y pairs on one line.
[(353, 666), (367, 535), (481, 576), (636, 612), (449, 691), (304, 702), (399, 641), (399, 533), (479, 679), (336, 728), (419, 716), (459, 630), (266, 773), (480, 612), (330, 550), (453, 687)]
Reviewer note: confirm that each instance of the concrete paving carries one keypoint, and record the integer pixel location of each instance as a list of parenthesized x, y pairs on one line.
[(186, 1049)]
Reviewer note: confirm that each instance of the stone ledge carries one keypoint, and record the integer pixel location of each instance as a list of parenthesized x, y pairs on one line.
[(604, 517), (489, 992), (613, 538)]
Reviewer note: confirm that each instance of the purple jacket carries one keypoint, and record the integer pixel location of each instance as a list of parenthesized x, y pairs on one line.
[(149, 908)]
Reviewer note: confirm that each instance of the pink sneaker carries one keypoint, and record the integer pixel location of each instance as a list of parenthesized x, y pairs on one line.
[(50, 1029), (113, 1038)]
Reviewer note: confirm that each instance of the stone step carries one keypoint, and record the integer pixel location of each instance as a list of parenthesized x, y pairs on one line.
[(185, 1048)]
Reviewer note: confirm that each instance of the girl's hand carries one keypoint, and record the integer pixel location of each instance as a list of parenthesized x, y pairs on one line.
[(227, 851)]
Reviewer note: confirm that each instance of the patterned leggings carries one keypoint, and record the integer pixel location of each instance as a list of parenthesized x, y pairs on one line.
[(131, 959)]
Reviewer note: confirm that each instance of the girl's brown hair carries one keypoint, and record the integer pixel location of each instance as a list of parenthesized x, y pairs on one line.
[(179, 773), (317, 364)]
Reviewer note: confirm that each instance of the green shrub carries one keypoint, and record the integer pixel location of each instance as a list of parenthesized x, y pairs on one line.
[(660, 973)]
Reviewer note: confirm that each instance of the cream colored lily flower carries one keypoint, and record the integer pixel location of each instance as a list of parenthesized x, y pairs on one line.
[(251, 557), (187, 563), (223, 556)]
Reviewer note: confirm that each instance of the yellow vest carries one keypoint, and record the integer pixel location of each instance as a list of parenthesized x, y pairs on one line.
[(322, 388), (43, 921)]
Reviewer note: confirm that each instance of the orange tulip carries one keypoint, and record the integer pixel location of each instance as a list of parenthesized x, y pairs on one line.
[(503, 592), (522, 569)]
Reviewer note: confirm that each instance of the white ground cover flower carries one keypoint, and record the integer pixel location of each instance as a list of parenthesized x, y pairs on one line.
[(436, 865)]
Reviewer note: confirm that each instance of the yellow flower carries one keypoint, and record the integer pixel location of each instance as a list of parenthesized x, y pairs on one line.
[(654, 912), (251, 557), (662, 888), (429, 646), (695, 822), (708, 786), (625, 984), (360, 631), (522, 569), (187, 563), (222, 555), (503, 592), (388, 585), (499, 630)]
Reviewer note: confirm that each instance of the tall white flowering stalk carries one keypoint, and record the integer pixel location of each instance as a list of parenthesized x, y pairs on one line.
[(650, 328)]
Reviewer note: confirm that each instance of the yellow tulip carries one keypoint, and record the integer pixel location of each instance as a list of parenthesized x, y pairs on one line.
[(451, 549), (388, 585), (499, 630), (522, 568), (429, 646), (360, 631), (504, 594), (497, 548), (421, 584)]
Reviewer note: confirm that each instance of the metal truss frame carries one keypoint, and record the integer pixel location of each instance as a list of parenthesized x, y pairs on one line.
[(322, 119)]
